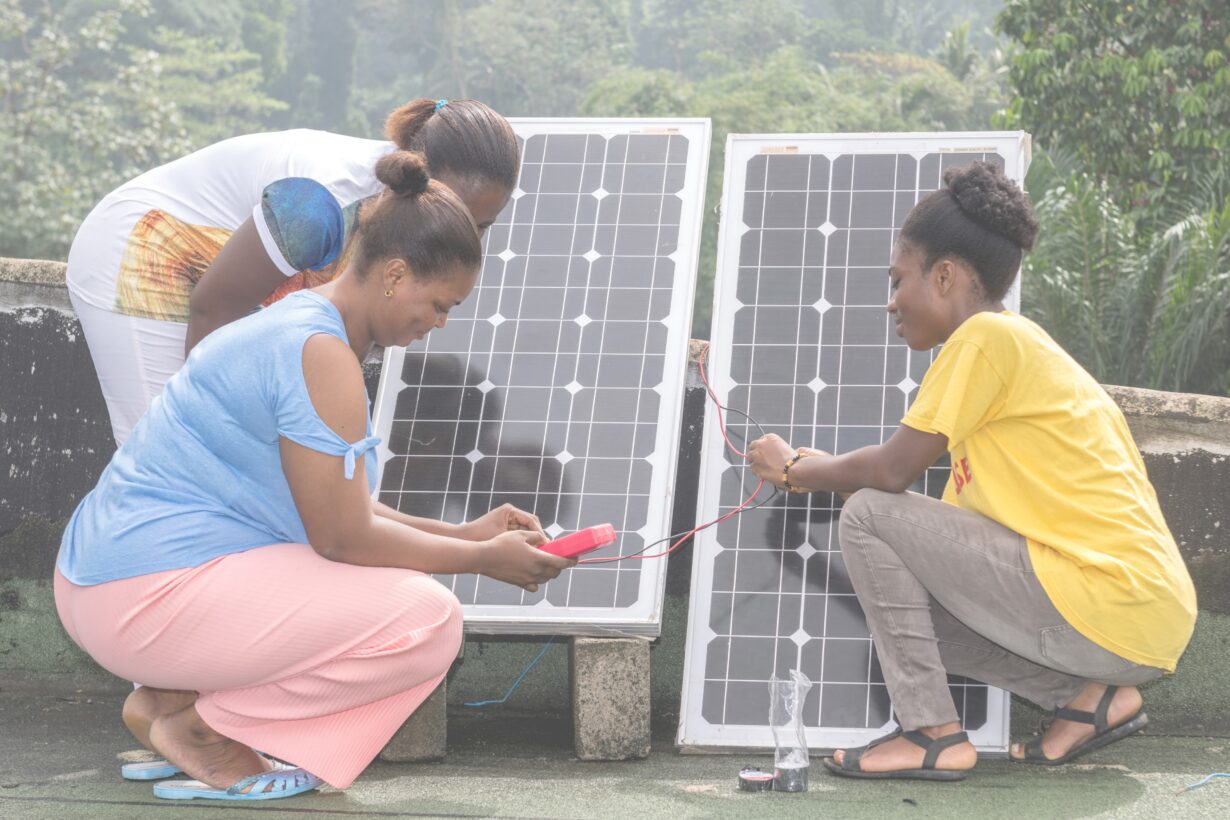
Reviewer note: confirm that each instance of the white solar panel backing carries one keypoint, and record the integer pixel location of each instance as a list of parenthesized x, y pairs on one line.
[(802, 342), (558, 384)]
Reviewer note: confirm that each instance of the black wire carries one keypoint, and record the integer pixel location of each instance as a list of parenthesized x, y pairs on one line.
[(746, 416), (692, 533)]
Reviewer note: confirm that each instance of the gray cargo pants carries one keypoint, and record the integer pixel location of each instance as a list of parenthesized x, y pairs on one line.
[(946, 590)]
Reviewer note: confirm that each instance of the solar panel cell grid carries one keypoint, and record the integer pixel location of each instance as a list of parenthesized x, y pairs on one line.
[(803, 344), (555, 385)]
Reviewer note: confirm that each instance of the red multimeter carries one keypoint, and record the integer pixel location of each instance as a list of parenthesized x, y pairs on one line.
[(581, 541)]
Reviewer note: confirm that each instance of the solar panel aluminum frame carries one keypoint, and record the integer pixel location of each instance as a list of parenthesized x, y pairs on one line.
[(695, 732), (644, 617)]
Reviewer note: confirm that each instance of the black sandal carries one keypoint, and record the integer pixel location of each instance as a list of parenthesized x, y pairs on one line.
[(850, 766), (1103, 734)]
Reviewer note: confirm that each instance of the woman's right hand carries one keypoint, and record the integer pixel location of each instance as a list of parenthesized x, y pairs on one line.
[(514, 558)]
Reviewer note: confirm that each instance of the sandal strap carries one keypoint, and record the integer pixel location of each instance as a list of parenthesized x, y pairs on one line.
[(1096, 719), (1075, 715), (884, 739), (1033, 750), (278, 780), (1101, 724), (934, 747), (850, 760)]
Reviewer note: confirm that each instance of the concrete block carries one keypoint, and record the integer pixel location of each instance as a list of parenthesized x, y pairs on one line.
[(610, 697), (424, 735)]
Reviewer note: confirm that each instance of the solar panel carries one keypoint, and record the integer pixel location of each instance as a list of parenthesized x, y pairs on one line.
[(802, 343), (557, 386)]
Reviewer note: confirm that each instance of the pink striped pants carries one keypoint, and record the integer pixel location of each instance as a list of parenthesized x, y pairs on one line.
[(314, 662)]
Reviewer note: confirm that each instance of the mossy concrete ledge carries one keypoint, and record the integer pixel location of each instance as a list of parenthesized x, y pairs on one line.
[(32, 271)]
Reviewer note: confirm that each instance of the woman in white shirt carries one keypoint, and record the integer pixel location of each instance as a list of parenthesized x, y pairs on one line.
[(201, 241)]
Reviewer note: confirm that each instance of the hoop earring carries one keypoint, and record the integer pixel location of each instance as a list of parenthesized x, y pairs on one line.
[(389, 293)]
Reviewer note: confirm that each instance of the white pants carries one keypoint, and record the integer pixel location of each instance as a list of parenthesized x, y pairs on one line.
[(134, 357)]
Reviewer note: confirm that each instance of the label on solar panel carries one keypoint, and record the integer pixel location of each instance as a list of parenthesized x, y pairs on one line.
[(558, 384), (802, 343)]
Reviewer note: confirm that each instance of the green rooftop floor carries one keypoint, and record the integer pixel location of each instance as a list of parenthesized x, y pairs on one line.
[(60, 749)]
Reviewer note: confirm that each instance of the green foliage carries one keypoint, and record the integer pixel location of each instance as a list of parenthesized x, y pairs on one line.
[(1193, 349), (538, 57), (957, 53), (216, 89), (78, 118), (263, 32), (1134, 307), (697, 40), (1140, 90), (1132, 268), (86, 109), (398, 44), (318, 85), (912, 25)]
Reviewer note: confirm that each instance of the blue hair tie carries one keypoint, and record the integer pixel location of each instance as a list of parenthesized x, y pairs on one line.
[(440, 104)]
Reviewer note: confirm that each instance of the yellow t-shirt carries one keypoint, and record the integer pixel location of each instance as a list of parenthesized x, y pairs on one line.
[(1038, 446)]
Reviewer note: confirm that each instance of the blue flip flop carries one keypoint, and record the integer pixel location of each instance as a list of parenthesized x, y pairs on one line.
[(265, 786), (160, 769), (157, 769)]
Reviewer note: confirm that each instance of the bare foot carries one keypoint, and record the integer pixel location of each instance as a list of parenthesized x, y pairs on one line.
[(188, 742), (1064, 735), (146, 704), (899, 753)]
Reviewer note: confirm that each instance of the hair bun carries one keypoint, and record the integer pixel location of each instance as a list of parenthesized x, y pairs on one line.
[(993, 201), (404, 172)]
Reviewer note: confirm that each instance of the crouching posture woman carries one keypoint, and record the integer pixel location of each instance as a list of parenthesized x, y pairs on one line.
[(231, 556), (1047, 569)]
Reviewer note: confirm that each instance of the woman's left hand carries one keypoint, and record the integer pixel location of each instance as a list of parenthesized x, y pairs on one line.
[(502, 519), (767, 456)]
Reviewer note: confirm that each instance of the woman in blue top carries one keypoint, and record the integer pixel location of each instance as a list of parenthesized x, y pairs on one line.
[(231, 556)]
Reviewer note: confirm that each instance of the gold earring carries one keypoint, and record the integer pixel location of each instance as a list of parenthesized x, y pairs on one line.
[(389, 293)]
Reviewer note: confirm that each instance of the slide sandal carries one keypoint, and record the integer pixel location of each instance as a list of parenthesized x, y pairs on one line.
[(264, 786)]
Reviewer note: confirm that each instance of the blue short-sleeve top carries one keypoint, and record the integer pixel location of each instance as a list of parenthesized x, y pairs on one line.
[(201, 476)]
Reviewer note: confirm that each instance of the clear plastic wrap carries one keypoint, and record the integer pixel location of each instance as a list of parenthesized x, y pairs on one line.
[(786, 719)]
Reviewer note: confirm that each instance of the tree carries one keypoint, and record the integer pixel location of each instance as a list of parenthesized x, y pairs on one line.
[(538, 57), (1140, 90), (1135, 307), (319, 82), (69, 132), (216, 90), (84, 109), (914, 26), (698, 40), (402, 53)]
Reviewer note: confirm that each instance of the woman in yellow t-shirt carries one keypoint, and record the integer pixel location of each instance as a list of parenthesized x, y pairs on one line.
[(1047, 569)]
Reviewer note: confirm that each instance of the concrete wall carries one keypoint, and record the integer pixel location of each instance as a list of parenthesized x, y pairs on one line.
[(57, 440)]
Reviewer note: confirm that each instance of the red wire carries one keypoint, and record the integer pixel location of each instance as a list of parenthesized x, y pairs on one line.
[(717, 404), (721, 426), (679, 543)]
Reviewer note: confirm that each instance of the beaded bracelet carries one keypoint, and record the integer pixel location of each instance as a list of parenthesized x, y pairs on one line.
[(786, 485)]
